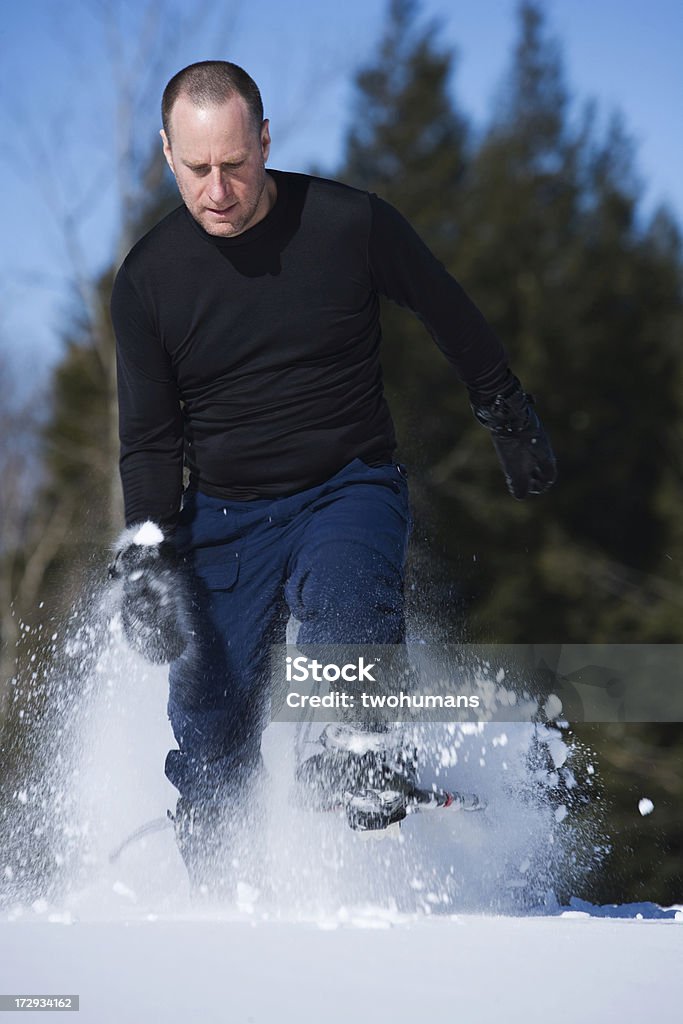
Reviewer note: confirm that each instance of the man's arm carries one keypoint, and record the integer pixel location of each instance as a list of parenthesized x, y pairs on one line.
[(150, 418), (406, 271), (154, 606)]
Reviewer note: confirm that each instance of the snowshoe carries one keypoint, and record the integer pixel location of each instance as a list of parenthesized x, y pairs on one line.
[(372, 778)]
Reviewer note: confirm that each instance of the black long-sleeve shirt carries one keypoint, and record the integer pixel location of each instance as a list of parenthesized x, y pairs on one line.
[(256, 358)]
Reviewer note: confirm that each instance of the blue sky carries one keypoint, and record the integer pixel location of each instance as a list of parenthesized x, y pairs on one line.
[(57, 114)]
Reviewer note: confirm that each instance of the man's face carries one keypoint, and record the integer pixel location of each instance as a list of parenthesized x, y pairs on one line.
[(218, 158)]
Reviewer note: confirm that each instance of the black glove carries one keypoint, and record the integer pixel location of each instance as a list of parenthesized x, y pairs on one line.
[(154, 603), (521, 443)]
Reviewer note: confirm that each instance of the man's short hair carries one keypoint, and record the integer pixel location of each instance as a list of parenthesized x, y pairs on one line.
[(212, 82)]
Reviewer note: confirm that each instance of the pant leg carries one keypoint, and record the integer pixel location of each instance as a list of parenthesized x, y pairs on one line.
[(346, 573), (218, 687)]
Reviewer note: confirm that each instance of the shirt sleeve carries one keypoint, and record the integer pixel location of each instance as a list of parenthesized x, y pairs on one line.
[(405, 270), (150, 417)]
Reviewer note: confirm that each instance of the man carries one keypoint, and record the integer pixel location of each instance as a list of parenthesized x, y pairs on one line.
[(248, 334)]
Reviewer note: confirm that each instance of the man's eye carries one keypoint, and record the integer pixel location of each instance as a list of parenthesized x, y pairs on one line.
[(200, 171)]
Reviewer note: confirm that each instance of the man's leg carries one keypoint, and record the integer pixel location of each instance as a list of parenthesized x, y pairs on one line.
[(346, 587), (218, 688)]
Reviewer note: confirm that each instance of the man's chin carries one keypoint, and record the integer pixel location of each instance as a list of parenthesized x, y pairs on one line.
[(222, 229)]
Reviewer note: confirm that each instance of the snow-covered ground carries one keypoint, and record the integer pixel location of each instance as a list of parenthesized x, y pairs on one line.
[(333, 927), (363, 966)]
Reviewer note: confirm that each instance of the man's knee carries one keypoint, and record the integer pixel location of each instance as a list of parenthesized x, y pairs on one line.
[(347, 593)]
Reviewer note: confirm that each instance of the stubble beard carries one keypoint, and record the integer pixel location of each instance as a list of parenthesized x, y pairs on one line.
[(227, 229)]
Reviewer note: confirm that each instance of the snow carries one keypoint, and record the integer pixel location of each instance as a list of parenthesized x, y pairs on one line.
[(332, 929), (362, 966), (552, 707), (148, 535)]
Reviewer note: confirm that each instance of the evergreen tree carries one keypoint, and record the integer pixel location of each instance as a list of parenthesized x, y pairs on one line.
[(406, 141), (587, 305)]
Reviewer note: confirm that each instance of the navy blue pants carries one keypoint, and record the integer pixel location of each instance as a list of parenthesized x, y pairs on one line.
[(332, 556)]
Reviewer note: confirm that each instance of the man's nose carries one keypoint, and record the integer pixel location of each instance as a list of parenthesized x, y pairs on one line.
[(219, 186)]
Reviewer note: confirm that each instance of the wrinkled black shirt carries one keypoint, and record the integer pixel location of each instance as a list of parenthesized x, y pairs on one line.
[(255, 359)]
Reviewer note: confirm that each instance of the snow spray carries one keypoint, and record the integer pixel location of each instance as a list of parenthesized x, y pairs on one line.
[(99, 735)]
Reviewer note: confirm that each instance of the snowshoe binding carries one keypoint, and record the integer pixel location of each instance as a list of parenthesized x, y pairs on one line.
[(372, 776)]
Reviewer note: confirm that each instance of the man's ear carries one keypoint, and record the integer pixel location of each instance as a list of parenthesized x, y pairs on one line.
[(265, 139), (167, 150)]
